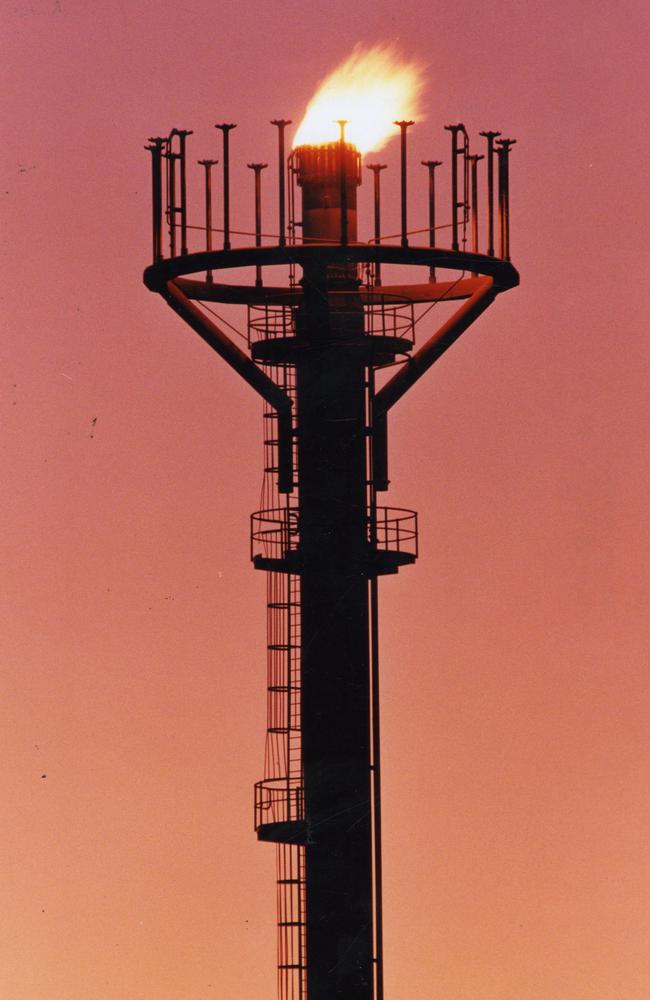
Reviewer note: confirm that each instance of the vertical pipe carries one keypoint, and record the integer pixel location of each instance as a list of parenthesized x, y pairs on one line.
[(490, 136), (374, 689), (182, 136), (376, 169), (506, 199), (454, 190), (431, 166), (343, 189), (466, 184), (504, 195), (332, 466), (403, 125), (171, 200), (208, 164), (336, 667), (281, 124), (156, 194), (455, 129), (291, 179), (501, 158), (474, 199), (225, 129), (257, 168)]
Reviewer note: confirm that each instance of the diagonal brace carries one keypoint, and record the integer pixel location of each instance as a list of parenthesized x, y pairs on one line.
[(249, 371), (416, 367), (435, 346)]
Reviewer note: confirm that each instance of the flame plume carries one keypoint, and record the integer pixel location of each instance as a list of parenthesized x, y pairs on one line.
[(371, 89)]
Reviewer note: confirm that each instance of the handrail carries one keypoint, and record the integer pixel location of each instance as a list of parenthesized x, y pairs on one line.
[(385, 315), (276, 531), (278, 800)]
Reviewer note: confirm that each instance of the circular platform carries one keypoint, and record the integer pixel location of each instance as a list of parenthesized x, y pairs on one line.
[(288, 350), (321, 255)]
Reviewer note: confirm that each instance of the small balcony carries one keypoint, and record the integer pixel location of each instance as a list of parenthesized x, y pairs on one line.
[(392, 539), (385, 315), (280, 811)]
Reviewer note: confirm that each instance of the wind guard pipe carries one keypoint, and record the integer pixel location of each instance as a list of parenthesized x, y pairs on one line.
[(248, 370)]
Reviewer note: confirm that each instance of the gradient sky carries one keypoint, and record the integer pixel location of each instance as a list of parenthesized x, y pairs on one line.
[(132, 646)]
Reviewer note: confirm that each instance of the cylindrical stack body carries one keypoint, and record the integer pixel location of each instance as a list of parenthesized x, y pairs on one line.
[(319, 176), (335, 696)]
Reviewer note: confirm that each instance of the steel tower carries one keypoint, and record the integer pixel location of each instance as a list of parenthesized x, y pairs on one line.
[(317, 349)]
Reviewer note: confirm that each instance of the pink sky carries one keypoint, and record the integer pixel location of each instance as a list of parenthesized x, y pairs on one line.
[(132, 647)]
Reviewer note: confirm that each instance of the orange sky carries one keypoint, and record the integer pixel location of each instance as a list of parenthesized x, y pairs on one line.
[(132, 647)]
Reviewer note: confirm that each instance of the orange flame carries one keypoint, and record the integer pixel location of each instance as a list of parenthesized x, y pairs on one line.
[(371, 89)]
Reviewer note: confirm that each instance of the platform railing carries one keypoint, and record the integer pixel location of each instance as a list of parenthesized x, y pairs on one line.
[(268, 322), (169, 166), (387, 316), (384, 315), (278, 800), (276, 532), (395, 530)]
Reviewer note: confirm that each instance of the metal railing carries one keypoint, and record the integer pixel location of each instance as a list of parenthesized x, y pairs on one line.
[(395, 529), (268, 322), (171, 226), (278, 800), (387, 316), (384, 315), (276, 532)]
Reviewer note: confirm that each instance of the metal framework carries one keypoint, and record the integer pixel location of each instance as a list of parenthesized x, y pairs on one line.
[(317, 351)]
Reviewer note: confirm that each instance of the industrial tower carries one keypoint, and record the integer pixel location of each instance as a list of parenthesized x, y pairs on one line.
[(317, 350)]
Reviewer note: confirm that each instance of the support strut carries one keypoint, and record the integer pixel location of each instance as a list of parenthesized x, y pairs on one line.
[(249, 371)]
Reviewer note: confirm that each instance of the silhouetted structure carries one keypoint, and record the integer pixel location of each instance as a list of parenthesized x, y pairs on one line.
[(316, 346)]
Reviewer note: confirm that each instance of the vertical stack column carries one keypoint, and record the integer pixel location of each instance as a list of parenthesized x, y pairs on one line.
[(335, 686)]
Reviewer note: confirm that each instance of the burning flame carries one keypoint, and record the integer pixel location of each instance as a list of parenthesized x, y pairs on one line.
[(371, 89)]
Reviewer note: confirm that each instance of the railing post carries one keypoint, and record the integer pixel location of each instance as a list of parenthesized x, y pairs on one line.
[(474, 200), (403, 126), (281, 124), (171, 198), (207, 165), (182, 136), (156, 150), (257, 168), (376, 170), (503, 154), (490, 136), (455, 204), (431, 167), (226, 129)]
